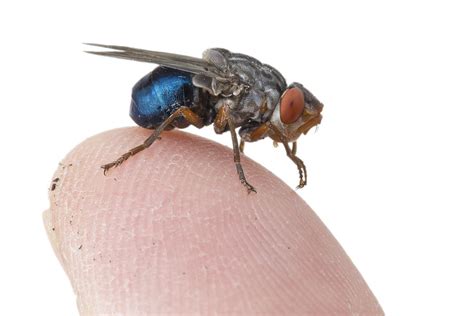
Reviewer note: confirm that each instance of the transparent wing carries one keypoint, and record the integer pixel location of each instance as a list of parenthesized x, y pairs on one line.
[(180, 62)]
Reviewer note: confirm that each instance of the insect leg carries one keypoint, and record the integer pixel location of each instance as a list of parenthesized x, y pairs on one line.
[(259, 133), (235, 145), (293, 149), (220, 122), (241, 145), (184, 111), (299, 163), (291, 153)]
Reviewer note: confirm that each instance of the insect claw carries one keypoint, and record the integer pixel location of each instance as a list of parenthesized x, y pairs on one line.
[(108, 166), (249, 187), (105, 169), (250, 190), (301, 185)]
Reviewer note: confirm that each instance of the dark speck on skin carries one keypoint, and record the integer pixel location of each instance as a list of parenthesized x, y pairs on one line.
[(53, 184), (80, 247), (64, 165)]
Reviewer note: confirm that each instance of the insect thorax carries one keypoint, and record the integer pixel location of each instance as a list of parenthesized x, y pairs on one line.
[(263, 87)]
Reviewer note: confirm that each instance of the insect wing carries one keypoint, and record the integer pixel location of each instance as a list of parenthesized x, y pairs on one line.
[(175, 61)]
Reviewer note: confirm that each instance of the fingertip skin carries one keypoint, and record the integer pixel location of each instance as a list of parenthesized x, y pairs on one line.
[(173, 231)]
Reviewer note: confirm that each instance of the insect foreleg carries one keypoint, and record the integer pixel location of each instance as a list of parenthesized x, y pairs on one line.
[(183, 111), (291, 153), (259, 133), (293, 149)]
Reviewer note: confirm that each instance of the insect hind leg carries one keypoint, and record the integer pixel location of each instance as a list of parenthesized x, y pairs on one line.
[(183, 111)]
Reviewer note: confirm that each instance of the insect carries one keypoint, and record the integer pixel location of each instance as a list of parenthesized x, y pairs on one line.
[(228, 90)]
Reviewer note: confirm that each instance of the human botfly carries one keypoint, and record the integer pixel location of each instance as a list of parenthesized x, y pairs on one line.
[(222, 88)]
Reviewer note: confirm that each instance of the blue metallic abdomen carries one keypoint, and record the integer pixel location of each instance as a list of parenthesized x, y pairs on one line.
[(157, 95)]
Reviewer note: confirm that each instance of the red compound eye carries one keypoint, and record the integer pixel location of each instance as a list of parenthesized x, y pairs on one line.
[(291, 105)]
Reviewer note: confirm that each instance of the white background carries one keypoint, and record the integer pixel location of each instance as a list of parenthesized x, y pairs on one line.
[(391, 169)]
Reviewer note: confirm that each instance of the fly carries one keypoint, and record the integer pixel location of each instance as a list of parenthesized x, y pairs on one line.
[(228, 90)]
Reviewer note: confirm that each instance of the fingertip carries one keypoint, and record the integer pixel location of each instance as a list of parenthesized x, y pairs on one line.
[(173, 230)]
